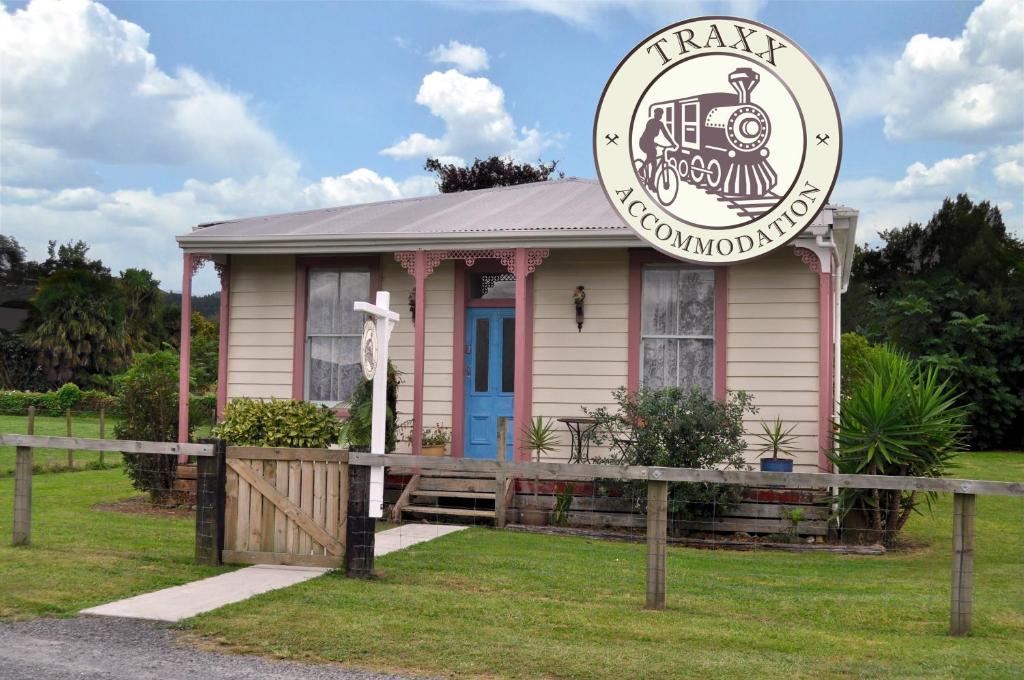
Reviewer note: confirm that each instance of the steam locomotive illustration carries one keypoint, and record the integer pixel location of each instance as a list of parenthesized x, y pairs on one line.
[(716, 141)]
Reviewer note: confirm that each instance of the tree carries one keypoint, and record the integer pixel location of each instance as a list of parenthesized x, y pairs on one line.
[(205, 348), (143, 303), (951, 293), (12, 259), (70, 255), (77, 326), (484, 174)]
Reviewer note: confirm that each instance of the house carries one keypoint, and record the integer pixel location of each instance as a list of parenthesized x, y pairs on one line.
[(485, 282)]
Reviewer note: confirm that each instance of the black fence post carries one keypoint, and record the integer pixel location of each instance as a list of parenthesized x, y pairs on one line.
[(360, 527), (211, 474)]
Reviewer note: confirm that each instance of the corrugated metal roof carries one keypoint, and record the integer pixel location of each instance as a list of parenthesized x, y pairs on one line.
[(563, 205)]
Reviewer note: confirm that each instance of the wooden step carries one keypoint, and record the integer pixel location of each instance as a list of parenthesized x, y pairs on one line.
[(454, 494), (445, 484), (461, 474), (454, 512)]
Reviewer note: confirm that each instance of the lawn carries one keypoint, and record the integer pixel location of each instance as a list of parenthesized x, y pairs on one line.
[(85, 425), (508, 605), (81, 556), (82, 425)]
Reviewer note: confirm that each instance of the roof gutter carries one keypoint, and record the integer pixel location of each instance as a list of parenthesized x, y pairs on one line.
[(197, 242)]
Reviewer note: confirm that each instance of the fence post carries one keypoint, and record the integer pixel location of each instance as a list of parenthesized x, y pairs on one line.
[(71, 452), (657, 535), (211, 472), (500, 510), (103, 428), (359, 529), (963, 564), (23, 496), (31, 428)]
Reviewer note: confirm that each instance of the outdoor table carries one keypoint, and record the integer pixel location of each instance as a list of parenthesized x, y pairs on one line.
[(580, 430)]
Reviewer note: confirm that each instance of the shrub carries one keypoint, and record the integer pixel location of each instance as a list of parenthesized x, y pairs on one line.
[(67, 396), (358, 425), (19, 364), (672, 428), (148, 402), (279, 422), (856, 356), (901, 419)]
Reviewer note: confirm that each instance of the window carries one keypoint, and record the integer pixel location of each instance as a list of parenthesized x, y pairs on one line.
[(492, 286), (677, 328), (333, 331)]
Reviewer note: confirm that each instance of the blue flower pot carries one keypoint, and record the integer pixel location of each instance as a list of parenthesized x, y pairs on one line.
[(776, 465)]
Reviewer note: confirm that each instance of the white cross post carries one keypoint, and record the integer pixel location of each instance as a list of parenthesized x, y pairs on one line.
[(386, 320)]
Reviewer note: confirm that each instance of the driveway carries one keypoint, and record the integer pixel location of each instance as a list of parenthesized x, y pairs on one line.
[(105, 648)]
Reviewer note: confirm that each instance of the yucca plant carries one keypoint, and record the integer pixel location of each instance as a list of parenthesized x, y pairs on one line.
[(901, 419), (775, 439), (539, 436)]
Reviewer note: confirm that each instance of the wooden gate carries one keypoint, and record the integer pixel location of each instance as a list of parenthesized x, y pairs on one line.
[(285, 506)]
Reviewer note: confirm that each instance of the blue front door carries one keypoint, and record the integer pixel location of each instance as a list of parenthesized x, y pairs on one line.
[(489, 376)]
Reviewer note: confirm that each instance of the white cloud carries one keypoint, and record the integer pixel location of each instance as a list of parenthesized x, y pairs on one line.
[(136, 228), (466, 58), (597, 14), (80, 85), (81, 90), (887, 204), (1010, 172), (965, 88), (476, 122)]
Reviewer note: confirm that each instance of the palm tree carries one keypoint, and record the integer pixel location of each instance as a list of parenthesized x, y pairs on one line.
[(77, 326)]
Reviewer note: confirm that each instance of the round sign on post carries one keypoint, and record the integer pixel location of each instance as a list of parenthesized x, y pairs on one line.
[(717, 140), (368, 349)]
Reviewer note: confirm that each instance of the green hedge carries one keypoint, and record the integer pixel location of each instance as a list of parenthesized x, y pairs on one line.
[(14, 402), (278, 422)]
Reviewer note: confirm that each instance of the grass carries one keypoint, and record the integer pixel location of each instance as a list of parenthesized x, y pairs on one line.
[(500, 604), (82, 425), (82, 557), (506, 605)]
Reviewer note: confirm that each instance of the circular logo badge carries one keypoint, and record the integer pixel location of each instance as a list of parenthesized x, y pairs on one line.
[(717, 139), (368, 349)]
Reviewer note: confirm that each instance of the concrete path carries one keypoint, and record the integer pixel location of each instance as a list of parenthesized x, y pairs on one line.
[(410, 534), (190, 599)]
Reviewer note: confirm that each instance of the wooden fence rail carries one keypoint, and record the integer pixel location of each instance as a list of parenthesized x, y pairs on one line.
[(787, 480), (213, 460), (657, 478), (209, 533)]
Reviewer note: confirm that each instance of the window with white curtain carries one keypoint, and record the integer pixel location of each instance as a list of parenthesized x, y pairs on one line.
[(333, 331), (677, 328)]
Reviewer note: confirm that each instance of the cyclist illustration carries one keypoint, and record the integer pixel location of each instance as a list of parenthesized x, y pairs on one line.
[(649, 144), (653, 169)]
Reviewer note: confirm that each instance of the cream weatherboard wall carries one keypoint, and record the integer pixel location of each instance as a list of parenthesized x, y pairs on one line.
[(773, 346), (437, 364), (772, 343), (261, 328), (573, 369)]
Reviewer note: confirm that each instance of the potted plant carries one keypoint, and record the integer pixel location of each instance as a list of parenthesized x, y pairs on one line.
[(540, 438), (777, 441), (433, 441)]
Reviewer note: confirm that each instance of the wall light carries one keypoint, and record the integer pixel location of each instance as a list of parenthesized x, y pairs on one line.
[(577, 299)]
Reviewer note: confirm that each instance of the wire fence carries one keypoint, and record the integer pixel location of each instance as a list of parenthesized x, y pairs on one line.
[(725, 546), (82, 423), (70, 540)]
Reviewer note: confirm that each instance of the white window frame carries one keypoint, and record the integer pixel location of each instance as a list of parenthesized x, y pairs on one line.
[(643, 290), (308, 336)]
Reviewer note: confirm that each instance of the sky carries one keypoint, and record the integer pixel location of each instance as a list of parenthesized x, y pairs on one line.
[(126, 123)]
